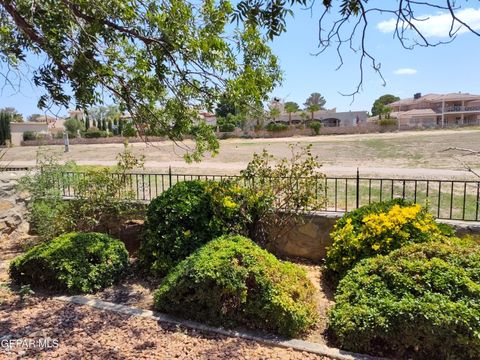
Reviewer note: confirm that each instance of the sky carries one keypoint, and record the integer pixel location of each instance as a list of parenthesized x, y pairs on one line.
[(452, 67), (448, 68)]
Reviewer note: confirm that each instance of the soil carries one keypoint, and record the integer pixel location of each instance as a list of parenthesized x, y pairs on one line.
[(81, 332)]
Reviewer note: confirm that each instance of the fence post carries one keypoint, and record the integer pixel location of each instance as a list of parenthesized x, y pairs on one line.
[(358, 189), (169, 177)]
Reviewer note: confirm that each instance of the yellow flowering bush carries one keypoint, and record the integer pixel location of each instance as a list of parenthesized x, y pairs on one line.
[(378, 229)]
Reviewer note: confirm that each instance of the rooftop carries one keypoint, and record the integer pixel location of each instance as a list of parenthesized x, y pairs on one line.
[(437, 98)]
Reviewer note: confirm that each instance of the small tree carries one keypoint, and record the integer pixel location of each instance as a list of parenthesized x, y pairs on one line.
[(73, 126), (16, 116), (291, 107), (110, 126), (87, 122), (274, 113), (120, 126), (129, 130), (378, 108), (384, 110), (316, 126), (5, 132), (304, 117), (294, 186)]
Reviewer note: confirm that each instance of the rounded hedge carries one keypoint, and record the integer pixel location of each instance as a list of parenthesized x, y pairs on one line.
[(420, 302), (377, 229), (190, 214), (231, 282), (74, 262)]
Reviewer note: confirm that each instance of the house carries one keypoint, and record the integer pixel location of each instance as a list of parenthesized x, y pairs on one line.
[(437, 110), (328, 118), (17, 130), (76, 114), (210, 119)]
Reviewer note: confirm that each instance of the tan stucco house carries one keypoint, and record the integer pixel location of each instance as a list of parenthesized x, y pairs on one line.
[(437, 110), (18, 128)]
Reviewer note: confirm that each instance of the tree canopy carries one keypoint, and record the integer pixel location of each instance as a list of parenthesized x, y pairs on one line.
[(315, 99), (380, 105), (291, 107), (163, 62), (314, 103)]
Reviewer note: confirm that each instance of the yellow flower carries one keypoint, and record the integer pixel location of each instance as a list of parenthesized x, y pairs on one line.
[(229, 203), (375, 247)]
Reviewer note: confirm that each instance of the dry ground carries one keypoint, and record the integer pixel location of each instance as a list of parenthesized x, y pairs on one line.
[(410, 153), (82, 332)]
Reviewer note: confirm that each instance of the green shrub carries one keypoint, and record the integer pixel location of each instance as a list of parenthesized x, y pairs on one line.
[(419, 302), (231, 281), (101, 200), (388, 122), (190, 214), (74, 262), (227, 127), (94, 134), (276, 127), (315, 126), (29, 135), (378, 229), (49, 218), (129, 130), (293, 186), (73, 126)]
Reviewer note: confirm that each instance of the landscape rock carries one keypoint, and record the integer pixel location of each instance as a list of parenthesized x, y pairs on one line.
[(13, 208)]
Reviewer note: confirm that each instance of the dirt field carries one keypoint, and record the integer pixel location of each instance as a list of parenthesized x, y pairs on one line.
[(415, 153)]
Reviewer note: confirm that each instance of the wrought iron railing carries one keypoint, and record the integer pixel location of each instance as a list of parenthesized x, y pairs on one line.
[(446, 199)]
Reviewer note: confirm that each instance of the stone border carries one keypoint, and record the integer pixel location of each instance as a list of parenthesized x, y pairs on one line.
[(296, 344)]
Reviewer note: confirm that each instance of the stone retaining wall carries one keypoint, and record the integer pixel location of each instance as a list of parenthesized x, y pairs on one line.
[(308, 240), (12, 206)]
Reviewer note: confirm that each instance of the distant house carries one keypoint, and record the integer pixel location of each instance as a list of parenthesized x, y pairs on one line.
[(437, 110), (76, 114), (328, 118), (19, 128), (210, 119)]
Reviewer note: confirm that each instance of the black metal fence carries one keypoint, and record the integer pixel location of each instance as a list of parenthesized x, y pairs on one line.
[(446, 199)]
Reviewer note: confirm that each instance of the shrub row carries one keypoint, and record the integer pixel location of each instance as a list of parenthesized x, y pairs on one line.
[(407, 288), (276, 127), (228, 281)]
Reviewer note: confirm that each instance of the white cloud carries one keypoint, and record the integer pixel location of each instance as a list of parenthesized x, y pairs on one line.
[(438, 25), (405, 71)]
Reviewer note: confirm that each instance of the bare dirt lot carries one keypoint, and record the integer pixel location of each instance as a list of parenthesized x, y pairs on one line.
[(401, 154)]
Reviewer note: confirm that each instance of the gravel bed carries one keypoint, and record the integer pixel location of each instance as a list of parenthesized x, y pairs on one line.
[(81, 332)]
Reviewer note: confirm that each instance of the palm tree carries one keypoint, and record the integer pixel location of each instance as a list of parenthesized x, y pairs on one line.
[(303, 116), (274, 113), (291, 107), (314, 103)]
